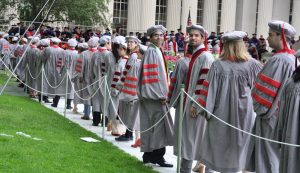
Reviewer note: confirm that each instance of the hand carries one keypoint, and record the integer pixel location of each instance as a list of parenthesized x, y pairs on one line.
[(193, 112)]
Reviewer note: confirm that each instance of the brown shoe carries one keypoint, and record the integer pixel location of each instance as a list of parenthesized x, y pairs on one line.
[(85, 118)]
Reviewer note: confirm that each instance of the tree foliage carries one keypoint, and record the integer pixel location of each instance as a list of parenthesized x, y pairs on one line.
[(85, 12)]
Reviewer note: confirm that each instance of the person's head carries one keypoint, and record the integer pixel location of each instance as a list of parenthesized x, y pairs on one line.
[(105, 41), (72, 43), (116, 42), (156, 34), (55, 40), (280, 34), (122, 50), (254, 35), (132, 43), (234, 48), (172, 32), (1, 34), (196, 35), (173, 38), (93, 42), (213, 33)]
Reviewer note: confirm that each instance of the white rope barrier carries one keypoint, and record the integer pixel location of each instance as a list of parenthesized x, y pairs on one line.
[(144, 131), (34, 78), (28, 44), (114, 107), (72, 84), (243, 131), (60, 83)]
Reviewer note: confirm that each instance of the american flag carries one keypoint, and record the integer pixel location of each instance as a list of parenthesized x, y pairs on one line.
[(189, 23)]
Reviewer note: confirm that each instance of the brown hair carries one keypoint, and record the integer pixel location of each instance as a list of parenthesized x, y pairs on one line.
[(235, 51)]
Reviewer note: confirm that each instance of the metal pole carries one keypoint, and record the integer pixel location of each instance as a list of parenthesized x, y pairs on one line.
[(66, 96), (105, 107), (180, 128), (42, 84)]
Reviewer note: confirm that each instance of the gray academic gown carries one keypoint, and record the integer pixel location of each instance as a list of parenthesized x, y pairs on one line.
[(22, 58), (68, 57), (263, 156), (152, 88), (96, 76), (86, 56), (178, 78), (107, 66), (193, 128), (226, 93), (13, 55), (116, 78), (4, 51), (52, 64), (32, 72), (129, 103), (76, 76), (289, 127)]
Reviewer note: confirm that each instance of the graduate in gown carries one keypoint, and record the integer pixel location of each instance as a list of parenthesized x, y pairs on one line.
[(153, 88), (263, 156), (86, 74), (77, 77), (288, 124), (129, 104), (226, 93), (193, 127), (120, 51), (52, 59), (98, 99)]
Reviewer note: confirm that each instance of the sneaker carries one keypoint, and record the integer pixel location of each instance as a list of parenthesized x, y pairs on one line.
[(122, 138)]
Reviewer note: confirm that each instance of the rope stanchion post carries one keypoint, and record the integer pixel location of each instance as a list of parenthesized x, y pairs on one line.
[(42, 86), (104, 112), (66, 96), (180, 127)]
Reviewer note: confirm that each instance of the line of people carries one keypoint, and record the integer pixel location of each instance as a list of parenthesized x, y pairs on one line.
[(262, 99)]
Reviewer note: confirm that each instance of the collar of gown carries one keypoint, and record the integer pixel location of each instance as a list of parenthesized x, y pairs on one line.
[(198, 48)]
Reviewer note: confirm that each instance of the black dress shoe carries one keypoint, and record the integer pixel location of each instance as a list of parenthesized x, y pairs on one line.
[(94, 124), (69, 107), (53, 105), (47, 101), (165, 164)]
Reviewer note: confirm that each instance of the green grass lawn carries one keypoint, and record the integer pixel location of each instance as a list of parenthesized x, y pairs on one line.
[(60, 149), (3, 77)]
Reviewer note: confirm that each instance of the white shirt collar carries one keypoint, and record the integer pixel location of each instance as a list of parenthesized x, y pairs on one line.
[(198, 48)]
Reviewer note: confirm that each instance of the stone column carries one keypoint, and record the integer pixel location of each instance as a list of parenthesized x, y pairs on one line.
[(187, 5), (134, 15), (210, 15), (264, 16), (246, 16), (228, 15), (173, 14), (147, 13), (281, 10), (296, 14)]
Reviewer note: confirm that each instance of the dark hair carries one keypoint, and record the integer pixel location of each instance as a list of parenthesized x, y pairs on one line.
[(189, 49), (114, 50), (296, 76)]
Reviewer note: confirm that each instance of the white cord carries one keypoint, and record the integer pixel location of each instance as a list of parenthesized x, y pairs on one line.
[(34, 78), (144, 131), (222, 121)]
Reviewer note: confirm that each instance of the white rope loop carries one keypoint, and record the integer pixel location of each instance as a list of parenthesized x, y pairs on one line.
[(248, 133)]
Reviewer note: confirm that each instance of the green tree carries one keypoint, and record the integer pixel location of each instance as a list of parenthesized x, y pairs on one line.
[(87, 12)]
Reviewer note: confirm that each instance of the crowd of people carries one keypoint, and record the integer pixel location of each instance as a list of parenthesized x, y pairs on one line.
[(128, 86)]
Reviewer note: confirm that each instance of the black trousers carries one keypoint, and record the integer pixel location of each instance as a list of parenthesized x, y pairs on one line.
[(156, 156), (128, 133), (96, 118), (57, 98)]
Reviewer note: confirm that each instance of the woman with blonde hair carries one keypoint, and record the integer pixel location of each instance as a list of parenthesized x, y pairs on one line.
[(226, 93)]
